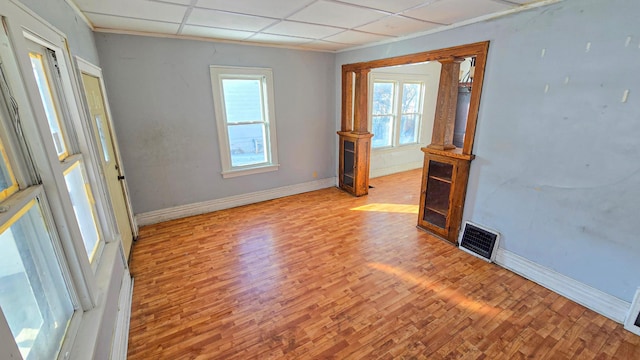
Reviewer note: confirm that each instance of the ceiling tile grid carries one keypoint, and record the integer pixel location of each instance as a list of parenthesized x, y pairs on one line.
[(321, 25)]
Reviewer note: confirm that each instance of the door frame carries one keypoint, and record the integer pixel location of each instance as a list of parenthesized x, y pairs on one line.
[(84, 66)]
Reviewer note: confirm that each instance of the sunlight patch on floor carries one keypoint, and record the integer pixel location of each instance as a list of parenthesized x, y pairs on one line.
[(446, 293), (392, 208)]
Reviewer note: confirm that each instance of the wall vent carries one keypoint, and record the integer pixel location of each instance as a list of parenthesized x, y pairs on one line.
[(632, 323), (479, 241)]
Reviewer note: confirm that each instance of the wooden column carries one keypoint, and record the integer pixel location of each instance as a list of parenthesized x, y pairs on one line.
[(361, 109), (444, 122), (346, 123), (355, 138)]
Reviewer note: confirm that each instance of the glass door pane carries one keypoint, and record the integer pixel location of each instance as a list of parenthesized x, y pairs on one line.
[(33, 294)]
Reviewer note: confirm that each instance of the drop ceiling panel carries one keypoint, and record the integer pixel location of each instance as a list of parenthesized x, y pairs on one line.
[(451, 11), (141, 9), (215, 33), (302, 29), (273, 8), (356, 38), (227, 20), (393, 6), (336, 14), (397, 26), (325, 45), (120, 23), (278, 39), (180, 2)]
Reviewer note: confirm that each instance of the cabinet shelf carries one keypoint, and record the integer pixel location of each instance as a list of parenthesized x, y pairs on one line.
[(448, 181), (440, 211)]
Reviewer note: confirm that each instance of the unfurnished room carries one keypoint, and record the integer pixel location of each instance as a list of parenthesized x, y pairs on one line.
[(319, 179)]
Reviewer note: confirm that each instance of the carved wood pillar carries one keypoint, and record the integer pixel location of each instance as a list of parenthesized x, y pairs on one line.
[(444, 122)]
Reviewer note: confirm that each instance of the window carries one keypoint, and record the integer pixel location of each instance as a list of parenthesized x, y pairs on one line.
[(244, 109), (396, 110), (43, 60), (34, 297)]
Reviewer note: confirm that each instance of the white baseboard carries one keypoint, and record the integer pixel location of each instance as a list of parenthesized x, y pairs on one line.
[(594, 299), (120, 341), (374, 173), (156, 216)]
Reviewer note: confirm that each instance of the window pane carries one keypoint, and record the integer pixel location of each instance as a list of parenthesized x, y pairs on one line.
[(242, 100), (382, 98), (246, 143), (83, 207), (8, 183), (382, 131), (411, 98), (49, 106), (103, 139), (409, 129), (33, 295)]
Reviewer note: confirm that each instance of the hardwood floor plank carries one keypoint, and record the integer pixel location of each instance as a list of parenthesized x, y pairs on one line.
[(324, 275)]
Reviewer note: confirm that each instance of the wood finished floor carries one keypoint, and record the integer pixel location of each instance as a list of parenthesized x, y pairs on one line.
[(324, 275)]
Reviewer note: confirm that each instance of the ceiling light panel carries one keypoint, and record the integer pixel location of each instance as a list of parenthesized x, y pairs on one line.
[(120, 23), (397, 26), (141, 9), (302, 29), (225, 34), (393, 6), (227, 20), (272, 8), (335, 14), (451, 11)]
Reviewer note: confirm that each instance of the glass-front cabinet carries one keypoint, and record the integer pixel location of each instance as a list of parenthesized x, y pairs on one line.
[(444, 184)]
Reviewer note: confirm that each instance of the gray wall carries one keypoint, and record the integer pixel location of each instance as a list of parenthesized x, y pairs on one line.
[(161, 99), (557, 173), (59, 14)]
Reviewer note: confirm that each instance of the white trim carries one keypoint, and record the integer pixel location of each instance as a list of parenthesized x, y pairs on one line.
[(594, 299), (177, 212), (250, 171), (120, 342), (374, 173), (632, 315)]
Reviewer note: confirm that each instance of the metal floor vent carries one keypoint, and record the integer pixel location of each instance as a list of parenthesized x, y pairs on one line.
[(479, 241)]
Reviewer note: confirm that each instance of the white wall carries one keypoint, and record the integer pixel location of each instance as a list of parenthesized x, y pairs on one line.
[(556, 172), (408, 157), (161, 98)]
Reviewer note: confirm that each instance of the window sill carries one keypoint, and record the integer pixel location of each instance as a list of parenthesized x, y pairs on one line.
[(250, 171), (397, 147)]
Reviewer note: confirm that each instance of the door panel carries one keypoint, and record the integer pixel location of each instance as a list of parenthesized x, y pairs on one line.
[(102, 133)]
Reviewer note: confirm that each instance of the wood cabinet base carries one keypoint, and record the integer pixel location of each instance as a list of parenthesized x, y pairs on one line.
[(444, 187), (354, 162)]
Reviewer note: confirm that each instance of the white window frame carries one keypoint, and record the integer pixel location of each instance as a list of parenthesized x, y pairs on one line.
[(88, 280), (398, 81), (218, 73)]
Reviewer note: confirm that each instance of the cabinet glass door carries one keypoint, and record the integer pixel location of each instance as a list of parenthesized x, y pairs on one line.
[(436, 203)]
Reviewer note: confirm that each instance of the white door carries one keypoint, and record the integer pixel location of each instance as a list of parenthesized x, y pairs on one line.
[(104, 138)]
